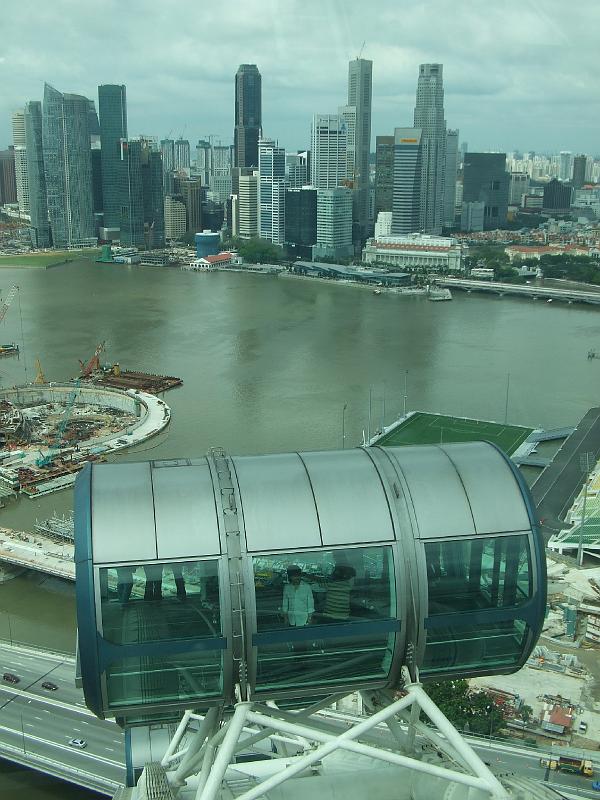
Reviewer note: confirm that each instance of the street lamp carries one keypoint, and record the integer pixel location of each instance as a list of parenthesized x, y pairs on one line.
[(344, 426), (405, 393)]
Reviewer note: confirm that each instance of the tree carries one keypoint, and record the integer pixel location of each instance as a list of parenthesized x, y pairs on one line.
[(467, 708), (259, 251)]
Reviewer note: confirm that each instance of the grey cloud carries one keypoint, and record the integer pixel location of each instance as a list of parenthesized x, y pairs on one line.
[(521, 73)]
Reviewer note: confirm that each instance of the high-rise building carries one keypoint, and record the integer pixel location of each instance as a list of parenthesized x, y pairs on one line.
[(579, 170), (271, 171), (182, 154), (153, 194), (190, 190), (167, 151), (97, 197), (360, 80), (565, 165), (248, 115), (519, 185), (175, 217), (557, 195), (112, 105), (300, 221), (130, 194), (328, 162), (473, 216), (204, 161), (408, 166), (68, 168), (384, 173), (334, 223), (486, 180), (220, 186), (18, 128), (429, 117), (247, 217), (450, 177), (348, 114), (297, 172), (8, 180), (221, 159), (38, 200)]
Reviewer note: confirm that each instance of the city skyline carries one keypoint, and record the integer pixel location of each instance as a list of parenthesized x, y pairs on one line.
[(516, 78)]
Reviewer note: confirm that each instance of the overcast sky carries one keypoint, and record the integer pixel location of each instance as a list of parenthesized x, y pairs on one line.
[(518, 74)]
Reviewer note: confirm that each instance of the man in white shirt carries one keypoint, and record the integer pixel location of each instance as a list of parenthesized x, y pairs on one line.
[(298, 604)]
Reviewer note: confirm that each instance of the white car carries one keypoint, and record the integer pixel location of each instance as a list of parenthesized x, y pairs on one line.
[(80, 743)]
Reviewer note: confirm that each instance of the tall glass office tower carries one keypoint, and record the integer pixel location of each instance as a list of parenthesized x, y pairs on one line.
[(271, 160), (360, 80), (38, 201), (112, 105), (429, 118), (68, 167), (248, 115)]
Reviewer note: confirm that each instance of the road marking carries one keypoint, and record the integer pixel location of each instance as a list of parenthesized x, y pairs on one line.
[(111, 749), (40, 719), (29, 725)]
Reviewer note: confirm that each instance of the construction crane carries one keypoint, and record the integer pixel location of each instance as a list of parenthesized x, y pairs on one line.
[(39, 373), (9, 298), (94, 362), (361, 51), (45, 461)]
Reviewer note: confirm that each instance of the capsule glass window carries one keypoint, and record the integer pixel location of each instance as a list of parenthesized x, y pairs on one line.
[(160, 602), (324, 616)]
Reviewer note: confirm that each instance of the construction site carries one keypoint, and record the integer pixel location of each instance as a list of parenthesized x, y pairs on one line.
[(49, 431)]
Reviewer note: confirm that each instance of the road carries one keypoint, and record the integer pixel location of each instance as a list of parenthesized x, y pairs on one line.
[(39, 723)]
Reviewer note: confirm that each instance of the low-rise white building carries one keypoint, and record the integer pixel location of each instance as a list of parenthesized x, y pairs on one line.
[(383, 226), (416, 251)]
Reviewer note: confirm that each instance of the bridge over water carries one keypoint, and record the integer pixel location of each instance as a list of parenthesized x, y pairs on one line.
[(518, 289)]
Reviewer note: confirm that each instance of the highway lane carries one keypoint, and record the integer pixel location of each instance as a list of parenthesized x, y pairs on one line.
[(41, 722)]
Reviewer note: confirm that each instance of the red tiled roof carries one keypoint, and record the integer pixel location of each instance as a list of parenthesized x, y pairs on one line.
[(558, 716), (218, 258)]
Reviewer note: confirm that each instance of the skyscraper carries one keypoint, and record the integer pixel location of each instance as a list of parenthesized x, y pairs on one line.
[(247, 216), (408, 167), (486, 180), (68, 167), (297, 169), (131, 219), (579, 169), (112, 105), (328, 164), (360, 80), (384, 173), (167, 150), (248, 115), (38, 201), (18, 127), (300, 221), (450, 177), (334, 223), (429, 118), (204, 161), (566, 165), (271, 172), (8, 182), (182, 154), (153, 193)]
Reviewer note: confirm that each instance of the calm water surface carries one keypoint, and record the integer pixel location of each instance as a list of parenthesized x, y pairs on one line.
[(268, 364)]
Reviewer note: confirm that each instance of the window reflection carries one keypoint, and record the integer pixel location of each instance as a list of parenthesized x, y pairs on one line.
[(158, 602), (324, 613), (487, 576), (478, 573)]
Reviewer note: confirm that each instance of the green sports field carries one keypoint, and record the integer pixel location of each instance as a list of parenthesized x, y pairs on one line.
[(423, 428)]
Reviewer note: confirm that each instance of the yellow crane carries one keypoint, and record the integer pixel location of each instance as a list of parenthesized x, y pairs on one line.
[(39, 374)]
